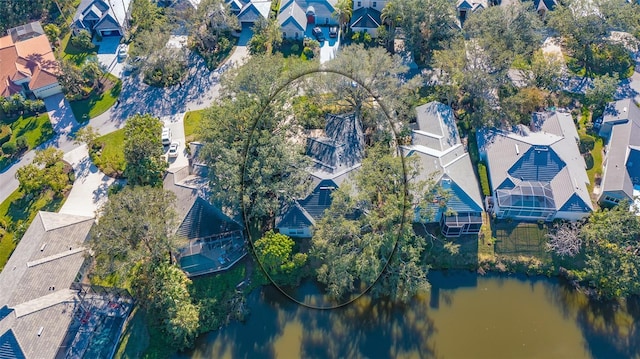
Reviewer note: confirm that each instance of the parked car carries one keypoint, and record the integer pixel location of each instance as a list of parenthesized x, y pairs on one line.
[(173, 149), (333, 31), (166, 136), (317, 32), (122, 51)]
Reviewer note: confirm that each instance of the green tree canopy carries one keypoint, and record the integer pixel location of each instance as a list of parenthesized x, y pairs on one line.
[(275, 253), (45, 173), (135, 228), (253, 164), (355, 238), (143, 151), (612, 250)]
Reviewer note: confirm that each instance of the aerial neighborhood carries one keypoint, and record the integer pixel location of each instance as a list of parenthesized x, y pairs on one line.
[(162, 160)]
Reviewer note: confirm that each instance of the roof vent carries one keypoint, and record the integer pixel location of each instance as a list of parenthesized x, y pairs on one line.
[(40, 331), (517, 149), (43, 247), (624, 109)]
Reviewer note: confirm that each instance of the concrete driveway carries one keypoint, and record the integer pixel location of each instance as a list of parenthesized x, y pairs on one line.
[(108, 54), (60, 114), (90, 187), (176, 125), (329, 48)]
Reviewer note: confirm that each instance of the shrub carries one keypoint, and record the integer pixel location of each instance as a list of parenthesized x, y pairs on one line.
[(21, 143), (82, 40), (307, 52), (484, 179), (295, 48), (587, 143), (9, 148), (5, 134)]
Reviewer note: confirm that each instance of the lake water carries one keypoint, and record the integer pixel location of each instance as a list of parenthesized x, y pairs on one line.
[(463, 316)]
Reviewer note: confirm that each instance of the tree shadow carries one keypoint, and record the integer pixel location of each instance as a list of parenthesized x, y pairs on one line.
[(611, 329)]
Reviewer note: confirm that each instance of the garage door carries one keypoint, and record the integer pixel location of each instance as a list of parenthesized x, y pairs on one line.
[(111, 33), (46, 92)]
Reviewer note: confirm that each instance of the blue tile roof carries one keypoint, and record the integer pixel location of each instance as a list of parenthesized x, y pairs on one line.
[(633, 166), (539, 163), (4, 312), (9, 346)]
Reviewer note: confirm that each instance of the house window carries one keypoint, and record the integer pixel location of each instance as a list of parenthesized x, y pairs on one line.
[(359, 3), (374, 4), (284, 35)]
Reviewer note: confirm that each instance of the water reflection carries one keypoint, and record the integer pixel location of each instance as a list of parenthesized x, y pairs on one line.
[(464, 316)]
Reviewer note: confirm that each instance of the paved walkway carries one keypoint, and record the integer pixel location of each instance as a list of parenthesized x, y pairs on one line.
[(90, 187)]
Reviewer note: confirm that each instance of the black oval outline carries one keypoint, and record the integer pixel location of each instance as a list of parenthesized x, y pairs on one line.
[(270, 99)]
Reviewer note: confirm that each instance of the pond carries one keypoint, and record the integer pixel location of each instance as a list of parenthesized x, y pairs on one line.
[(463, 316)]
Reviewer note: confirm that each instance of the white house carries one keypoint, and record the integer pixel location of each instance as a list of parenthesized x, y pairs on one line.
[(105, 18)]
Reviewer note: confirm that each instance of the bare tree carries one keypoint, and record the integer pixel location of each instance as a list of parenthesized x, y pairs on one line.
[(565, 239)]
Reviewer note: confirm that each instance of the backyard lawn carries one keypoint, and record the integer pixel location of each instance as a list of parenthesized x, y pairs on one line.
[(110, 159), (16, 213), (192, 122), (97, 103)]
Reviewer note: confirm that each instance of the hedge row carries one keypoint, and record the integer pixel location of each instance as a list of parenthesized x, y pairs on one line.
[(484, 179)]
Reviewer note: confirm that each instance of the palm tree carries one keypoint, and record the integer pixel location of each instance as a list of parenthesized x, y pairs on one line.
[(391, 16), (342, 12)]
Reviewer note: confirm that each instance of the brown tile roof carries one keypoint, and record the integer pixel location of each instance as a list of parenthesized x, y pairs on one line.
[(28, 58)]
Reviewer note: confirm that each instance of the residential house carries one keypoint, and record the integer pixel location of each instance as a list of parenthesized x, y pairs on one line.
[(466, 7), (235, 6), (252, 11), (44, 313), (296, 15), (292, 20), (537, 173), (335, 156), (621, 166), (215, 242), (366, 19), (542, 7), (443, 160), (102, 17), (27, 64), (367, 16)]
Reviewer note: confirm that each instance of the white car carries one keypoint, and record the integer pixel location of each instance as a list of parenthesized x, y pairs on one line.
[(173, 149), (122, 51), (166, 136)]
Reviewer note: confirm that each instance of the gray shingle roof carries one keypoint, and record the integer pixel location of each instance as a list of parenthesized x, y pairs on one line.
[(39, 268), (622, 165), (442, 157), (336, 156), (292, 12), (366, 17), (517, 157), (340, 150), (117, 11)]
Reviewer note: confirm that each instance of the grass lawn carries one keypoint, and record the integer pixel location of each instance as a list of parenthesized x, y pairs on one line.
[(192, 122), (515, 238), (76, 55), (110, 159), (19, 212), (36, 129), (97, 103)]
